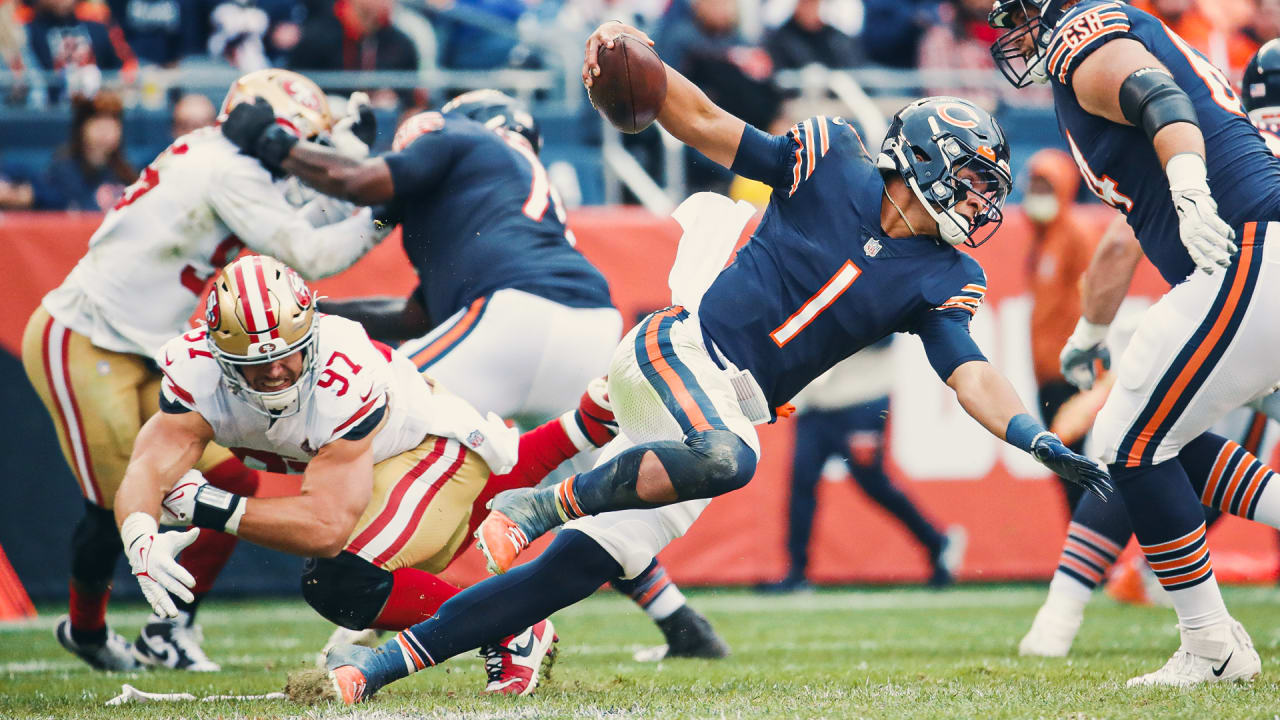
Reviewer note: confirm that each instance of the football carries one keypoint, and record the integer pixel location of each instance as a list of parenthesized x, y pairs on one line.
[(632, 84)]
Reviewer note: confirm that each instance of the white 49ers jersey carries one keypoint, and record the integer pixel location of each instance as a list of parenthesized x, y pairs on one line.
[(190, 213), (355, 378)]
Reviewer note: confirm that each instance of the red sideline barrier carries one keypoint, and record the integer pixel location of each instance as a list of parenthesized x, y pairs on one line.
[(1012, 510)]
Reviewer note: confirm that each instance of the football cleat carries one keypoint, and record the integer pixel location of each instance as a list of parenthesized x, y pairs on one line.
[(689, 635), (1218, 653), (114, 655), (342, 636), (350, 673), (172, 644), (516, 665), (950, 557), (594, 415), (516, 518), (1051, 633)]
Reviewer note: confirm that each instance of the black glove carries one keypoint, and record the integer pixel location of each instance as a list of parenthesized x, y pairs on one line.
[(1083, 471), (252, 128), (365, 127)]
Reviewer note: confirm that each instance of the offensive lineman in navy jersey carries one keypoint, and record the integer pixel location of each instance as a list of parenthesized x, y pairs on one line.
[(1158, 133), (849, 251)]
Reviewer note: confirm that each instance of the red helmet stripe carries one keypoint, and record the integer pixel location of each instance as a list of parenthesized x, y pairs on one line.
[(262, 289)]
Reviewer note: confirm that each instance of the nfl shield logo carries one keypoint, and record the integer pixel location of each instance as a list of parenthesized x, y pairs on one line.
[(872, 248), (475, 439)]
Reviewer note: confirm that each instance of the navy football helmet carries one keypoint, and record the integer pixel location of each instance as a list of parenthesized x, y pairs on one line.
[(1261, 84), (945, 149), (1023, 18), (494, 109)]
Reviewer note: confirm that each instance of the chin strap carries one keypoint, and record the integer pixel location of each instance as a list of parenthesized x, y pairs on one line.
[(900, 213)]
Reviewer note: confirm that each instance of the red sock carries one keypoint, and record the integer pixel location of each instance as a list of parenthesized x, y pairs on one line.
[(232, 475), (206, 557), (88, 606), (415, 596)]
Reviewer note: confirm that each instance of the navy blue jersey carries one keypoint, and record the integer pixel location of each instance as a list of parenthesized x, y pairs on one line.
[(819, 280), (1118, 162), (479, 215)]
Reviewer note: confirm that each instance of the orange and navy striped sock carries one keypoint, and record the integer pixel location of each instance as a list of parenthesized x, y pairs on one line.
[(567, 504), (653, 591), (1087, 555), (1232, 479)]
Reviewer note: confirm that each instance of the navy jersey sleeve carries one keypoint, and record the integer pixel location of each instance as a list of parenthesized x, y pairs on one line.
[(422, 153), (785, 162), (944, 328), (1082, 30)]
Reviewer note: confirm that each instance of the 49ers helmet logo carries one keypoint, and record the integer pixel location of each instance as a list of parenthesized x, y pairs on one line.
[(301, 293), (212, 310), (301, 94)]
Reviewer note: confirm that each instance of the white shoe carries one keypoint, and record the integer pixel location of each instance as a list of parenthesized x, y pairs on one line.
[(1217, 653), (342, 636), (1051, 633), (114, 655)]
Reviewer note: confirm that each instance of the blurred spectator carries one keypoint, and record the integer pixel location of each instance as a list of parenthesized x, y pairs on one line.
[(806, 38), (238, 29), (1060, 251), (1266, 22), (843, 414), (356, 35), (66, 38), (892, 30), (590, 14), (153, 28), (16, 192), (711, 51), (191, 112), (962, 41), (90, 172), (472, 46), (1214, 27)]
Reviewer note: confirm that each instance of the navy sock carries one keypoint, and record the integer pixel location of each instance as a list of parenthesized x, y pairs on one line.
[(1097, 533), (570, 569), (1168, 521)]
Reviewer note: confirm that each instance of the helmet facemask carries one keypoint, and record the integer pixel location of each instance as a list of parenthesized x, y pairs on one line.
[(279, 403), (1019, 69), (941, 184)]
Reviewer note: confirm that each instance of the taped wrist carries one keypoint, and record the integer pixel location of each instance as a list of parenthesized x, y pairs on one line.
[(274, 145), (1022, 432), (1150, 99), (217, 509)]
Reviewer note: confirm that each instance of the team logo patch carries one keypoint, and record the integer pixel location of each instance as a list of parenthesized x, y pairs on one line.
[(959, 115), (301, 293), (212, 311), (475, 439), (872, 247)]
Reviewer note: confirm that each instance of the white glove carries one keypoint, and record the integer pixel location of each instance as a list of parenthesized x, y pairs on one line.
[(152, 557), (179, 504), (1086, 345), (1207, 238), (345, 138)]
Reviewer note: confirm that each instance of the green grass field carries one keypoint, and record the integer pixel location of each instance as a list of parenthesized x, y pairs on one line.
[(897, 653)]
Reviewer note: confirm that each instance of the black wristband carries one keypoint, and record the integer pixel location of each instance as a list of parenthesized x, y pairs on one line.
[(215, 508), (274, 145), (1150, 99)]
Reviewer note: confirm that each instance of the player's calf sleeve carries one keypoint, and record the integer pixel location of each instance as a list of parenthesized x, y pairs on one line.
[(1097, 534), (707, 464), (415, 596), (570, 569), (653, 591), (1229, 478), (1169, 523), (94, 554)]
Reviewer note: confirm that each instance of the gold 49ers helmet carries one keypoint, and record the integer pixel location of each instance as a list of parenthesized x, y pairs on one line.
[(298, 101), (258, 311)]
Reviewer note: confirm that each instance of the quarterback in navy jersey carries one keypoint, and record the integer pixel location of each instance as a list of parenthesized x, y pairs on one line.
[(1159, 133), (851, 249)]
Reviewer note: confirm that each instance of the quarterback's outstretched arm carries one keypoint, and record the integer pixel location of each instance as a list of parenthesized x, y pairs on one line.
[(687, 113), (989, 398)]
